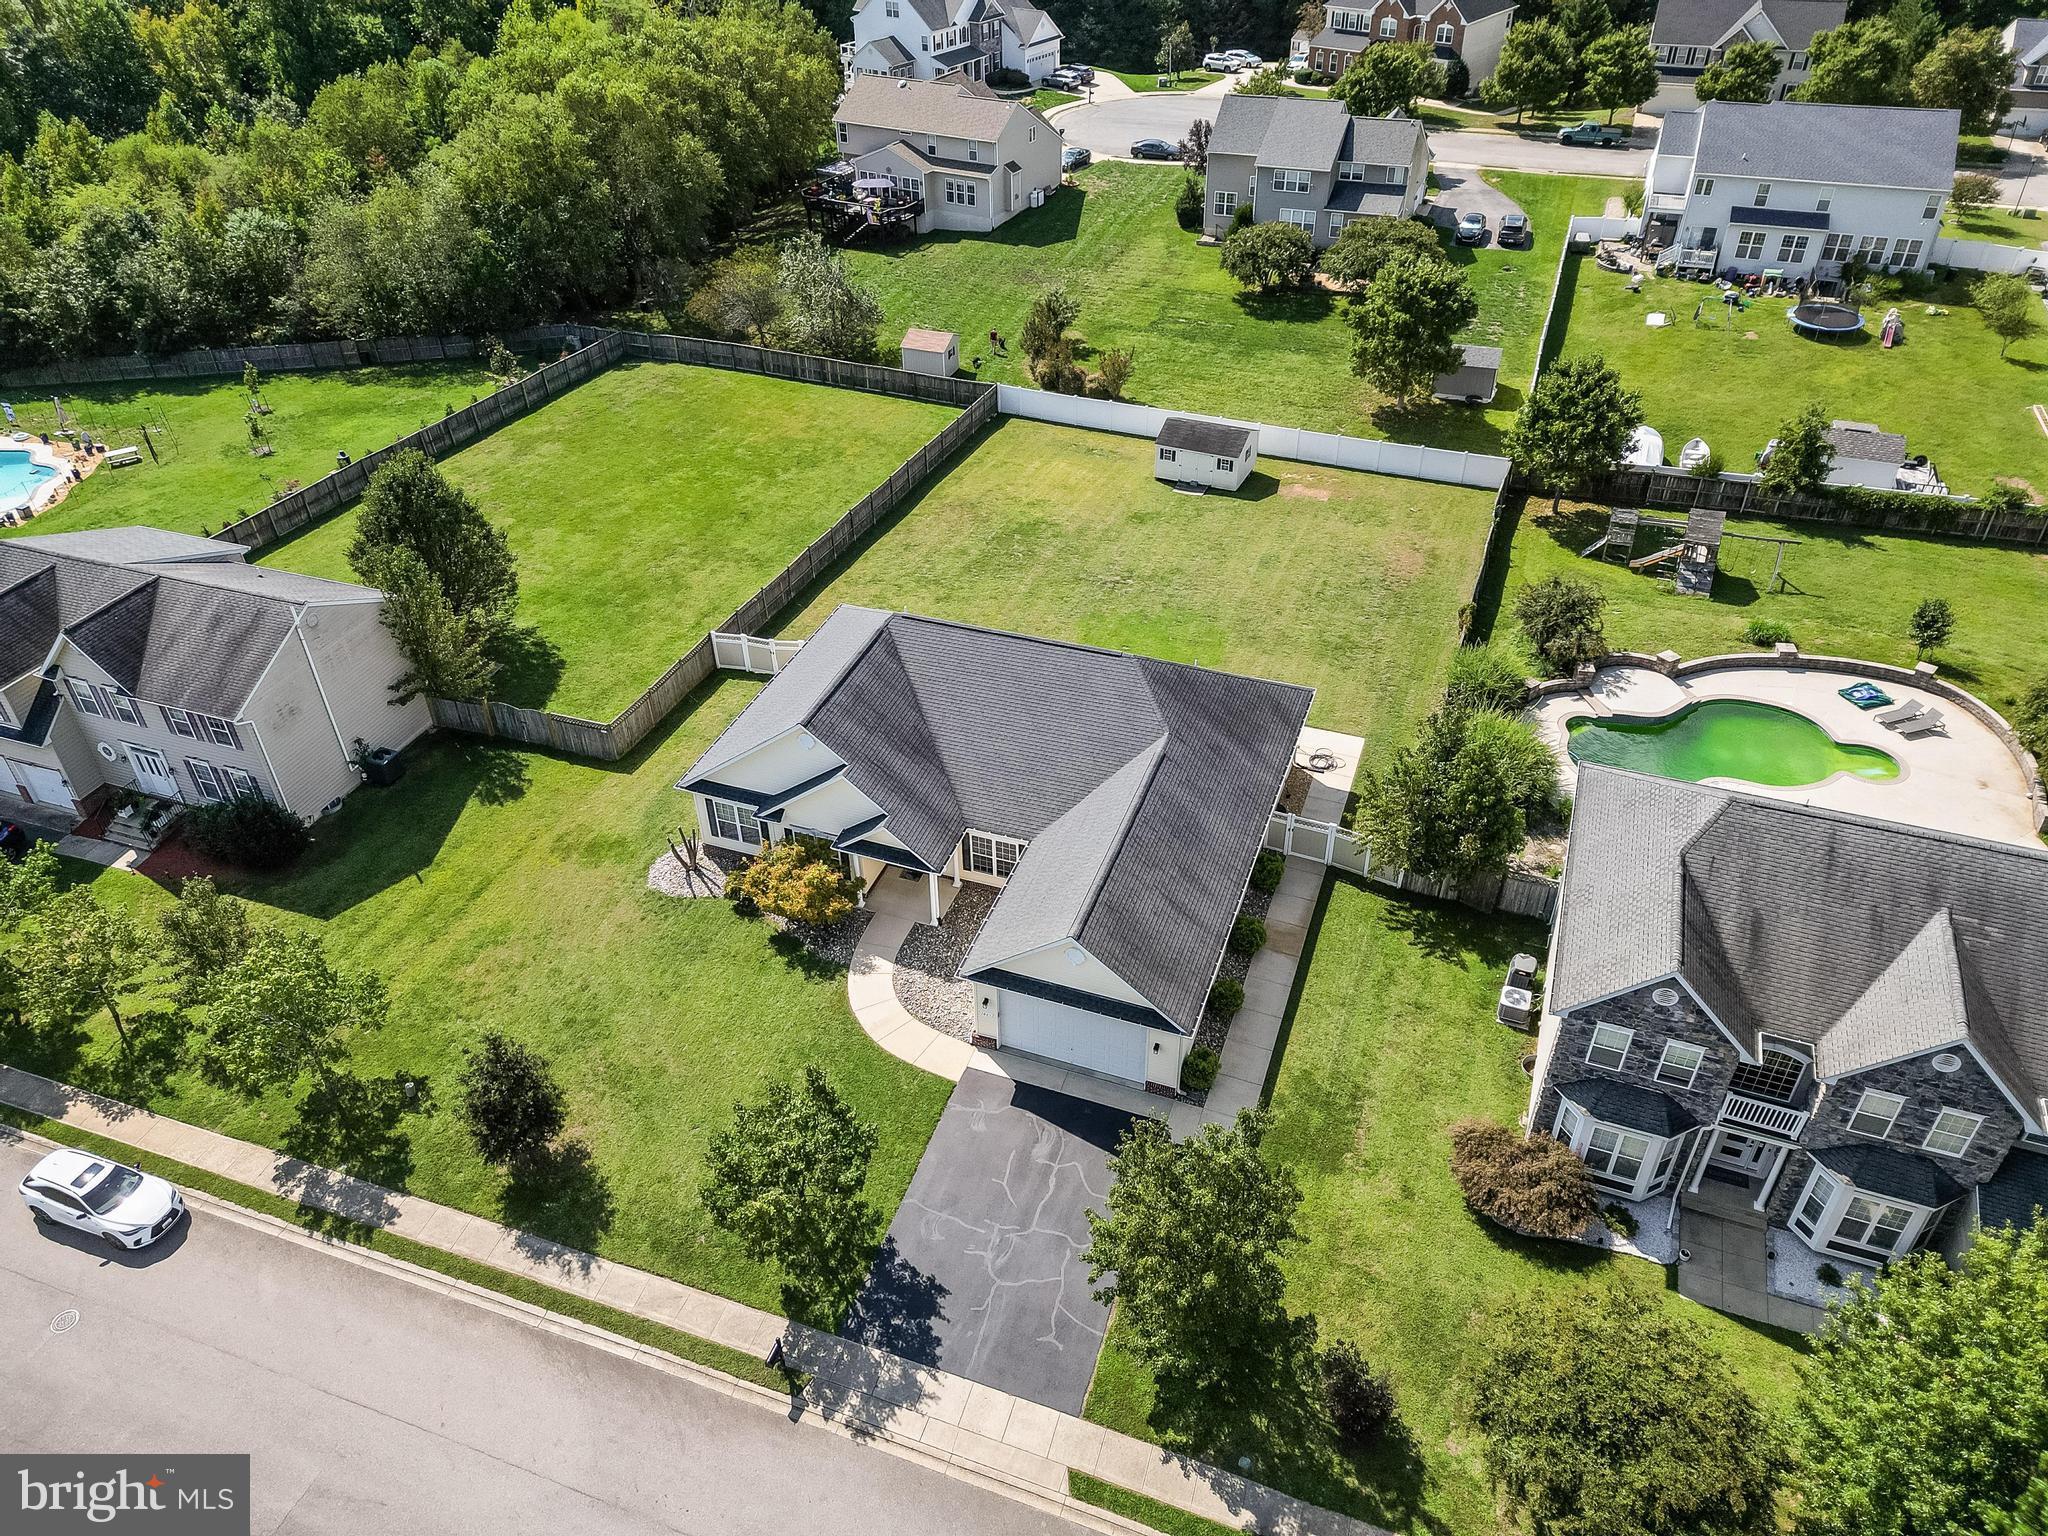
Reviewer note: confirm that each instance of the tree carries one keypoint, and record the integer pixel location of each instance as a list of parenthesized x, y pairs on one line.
[(1535, 69), (78, 957), (284, 1009), (1187, 203), (1562, 621), (445, 657), (1799, 462), (740, 299), (1535, 1185), (1487, 676), (510, 1101), (1970, 70), (2030, 719), (1918, 23), (1176, 49), (1312, 19), (1744, 72), (1859, 64), (1609, 1413), (786, 1178), (1933, 621), (1389, 77), (1115, 374), (1358, 1399), (1575, 425), (205, 934), (2029, 1513), (1925, 1405), (25, 887), (1972, 190), (1446, 807), (1194, 149), (824, 310), (2009, 308), (1620, 69), (1194, 1235), (1404, 325), (799, 880), (1266, 256), (1270, 81), (1366, 245), (1048, 349), (410, 505)]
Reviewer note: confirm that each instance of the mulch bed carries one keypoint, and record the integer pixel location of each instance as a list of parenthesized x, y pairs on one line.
[(174, 861)]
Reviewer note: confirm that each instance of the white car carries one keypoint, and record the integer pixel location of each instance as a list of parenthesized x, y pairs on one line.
[(102, 1198), (1244, 58), (1219, 63)]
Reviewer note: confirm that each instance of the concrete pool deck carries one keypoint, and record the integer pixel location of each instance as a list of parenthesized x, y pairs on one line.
[(1961, 779)]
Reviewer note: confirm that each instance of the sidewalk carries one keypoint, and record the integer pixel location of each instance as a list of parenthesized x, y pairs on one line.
[(869, 1393)]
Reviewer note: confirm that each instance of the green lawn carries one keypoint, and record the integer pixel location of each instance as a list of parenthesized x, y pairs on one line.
[(2002, 226), (1735, 385), (496, 888), (1148, 80), (1201, 343), (1849, 593), (1393, 1039), (1348, 582), (1539, 125), (1045, 99), (648, 504), (208, 478)]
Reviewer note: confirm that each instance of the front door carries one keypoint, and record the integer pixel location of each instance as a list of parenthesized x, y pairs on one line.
[(152, 771), (1744, 1154), (44, 786)]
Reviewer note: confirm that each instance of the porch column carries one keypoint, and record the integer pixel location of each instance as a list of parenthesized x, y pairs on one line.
[(1771, 1180), (1713, 1135), (860, 885), (931, 880), (955, 866)]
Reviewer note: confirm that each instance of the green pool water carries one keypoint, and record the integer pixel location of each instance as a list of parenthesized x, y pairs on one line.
[(1727, 739)]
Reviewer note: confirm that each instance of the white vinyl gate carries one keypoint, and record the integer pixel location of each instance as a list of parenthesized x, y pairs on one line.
[(1092, 1041)]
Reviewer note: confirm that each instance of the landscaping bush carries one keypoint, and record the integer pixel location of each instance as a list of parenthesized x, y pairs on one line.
[(1187, 207), (510, 1103), (1487, 676), (1457, 79), (1621, 1221), (1009, 80), (1247, 936), (1243, 218), (249, 831), (1535, 1186), (1827, 1274), (1118, 363), (1198, 1071), (1267, 869), (1227, 996), (798, 879), (1264, 257), (1766, 632), (1359, 1400), (1563, 621), (2030, 718)]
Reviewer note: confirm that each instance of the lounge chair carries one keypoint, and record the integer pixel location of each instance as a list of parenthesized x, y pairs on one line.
[(1921, 725), (1912, 709)]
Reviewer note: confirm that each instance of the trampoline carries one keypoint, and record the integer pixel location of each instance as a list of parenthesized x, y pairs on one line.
[(1825, 320)]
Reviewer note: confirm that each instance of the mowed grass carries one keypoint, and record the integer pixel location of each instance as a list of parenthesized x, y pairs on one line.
[(2001, 226), (1347, 582), (1148, 81), (1849, 592), (648, 504), (501, 889), (1945, 387), (1392, 1040), (207, 476), (1201, 343)]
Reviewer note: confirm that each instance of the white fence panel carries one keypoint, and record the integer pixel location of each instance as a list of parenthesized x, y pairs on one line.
[(751, 653), (1327, 843), (1983, 256), (1597, 227)]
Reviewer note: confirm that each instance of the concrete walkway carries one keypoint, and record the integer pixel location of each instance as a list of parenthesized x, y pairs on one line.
[(984, 1433)]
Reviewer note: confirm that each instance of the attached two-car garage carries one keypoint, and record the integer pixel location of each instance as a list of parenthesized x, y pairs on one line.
[(1077, 1037)]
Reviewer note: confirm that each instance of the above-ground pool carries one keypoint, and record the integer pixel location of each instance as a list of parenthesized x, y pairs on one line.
[(20, 478), (1727, 739)]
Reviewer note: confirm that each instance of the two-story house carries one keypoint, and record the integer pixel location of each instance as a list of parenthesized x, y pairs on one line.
[(165, 664), (1688, 35), (2026, 39), (1117, 803), (1309, 163), (1799, 188), (1846, 1019), (922, 39), (1472, 30), (975, 159)]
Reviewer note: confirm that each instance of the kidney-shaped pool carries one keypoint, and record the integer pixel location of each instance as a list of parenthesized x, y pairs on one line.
[(1727, 739)]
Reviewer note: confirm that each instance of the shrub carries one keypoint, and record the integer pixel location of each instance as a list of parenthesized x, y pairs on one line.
[(1766, 632), (1117, 365), (1486, 677), (2030, 718), (1827, 1274), (1242, 219), (1227, 996), (1009, 80), (1198, 1071), (1267, 869), (1932, 623), (1359, 1400), (1534, 1185), (1263, 257), (1621, 1221), (798, 879), (510, 1101), (1187, 207), (743, 905), (1563, 620), (1247, 935), (1457, 79), (249, 831), (1710, 467)]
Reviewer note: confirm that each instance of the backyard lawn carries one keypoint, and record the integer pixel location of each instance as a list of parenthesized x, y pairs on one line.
[(1849, 593), (648, 504), (1736, 385), (2003, 226), (1148, 80), (1202, 344), (495, 888), (208, 477), (1348, 582), (1392, 1040)]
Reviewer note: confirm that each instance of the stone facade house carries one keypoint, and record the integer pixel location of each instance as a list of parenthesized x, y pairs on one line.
[(1308, 163), (1472, 30), (1846, 1019)]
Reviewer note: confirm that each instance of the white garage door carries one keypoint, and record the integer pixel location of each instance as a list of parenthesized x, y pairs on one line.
[(1091, 1040), (42, 784)]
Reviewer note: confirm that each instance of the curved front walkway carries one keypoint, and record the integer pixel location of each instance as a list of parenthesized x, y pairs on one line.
[(871, 993)]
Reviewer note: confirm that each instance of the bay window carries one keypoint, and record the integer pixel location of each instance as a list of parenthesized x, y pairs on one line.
[(1617, 1156)]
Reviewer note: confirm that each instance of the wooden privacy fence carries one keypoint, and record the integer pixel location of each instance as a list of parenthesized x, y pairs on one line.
[(1738, 495), (1327, 843), (804, 367)]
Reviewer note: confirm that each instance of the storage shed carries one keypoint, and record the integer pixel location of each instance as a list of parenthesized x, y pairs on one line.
[(1210, 453), (934, 352), (1475, 378)]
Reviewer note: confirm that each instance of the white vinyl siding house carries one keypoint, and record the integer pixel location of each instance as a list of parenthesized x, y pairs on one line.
[(1306, 163), (977, 161)]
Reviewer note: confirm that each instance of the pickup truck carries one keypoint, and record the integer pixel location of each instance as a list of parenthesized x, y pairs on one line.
[(1593, 133)]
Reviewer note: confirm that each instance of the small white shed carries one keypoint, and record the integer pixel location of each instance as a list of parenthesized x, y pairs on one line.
[(1212, 453), (934, 352), (1475, 379)]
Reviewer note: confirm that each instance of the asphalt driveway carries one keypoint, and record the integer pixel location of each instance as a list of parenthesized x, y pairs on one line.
[(981, 1274), (1466, 191)]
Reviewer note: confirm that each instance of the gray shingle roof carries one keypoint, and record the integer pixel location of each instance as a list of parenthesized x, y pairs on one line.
[(1199, 436), (941, 107), (1368, 197), (1629, 1105), (1844, 146), (1301, 133), (1707, 23), (130, 546), (1888, 1171), (1915, 1005), (1856, 443), (893, 53), (2011, 1196), (1680, 133), (2029, 39)]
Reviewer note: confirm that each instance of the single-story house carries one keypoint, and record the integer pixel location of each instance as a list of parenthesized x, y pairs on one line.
[(1475, 379), (933, 352), (1218, 454), (1116, 802)]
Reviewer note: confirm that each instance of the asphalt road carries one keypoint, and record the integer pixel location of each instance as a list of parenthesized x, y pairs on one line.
[(370, 1403)]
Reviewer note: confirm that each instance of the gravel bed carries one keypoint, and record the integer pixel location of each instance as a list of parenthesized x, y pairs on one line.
[(707, 879), (928, 964), (1215, 1028), (1651, 1241), (831, 942), (1792, 1270)]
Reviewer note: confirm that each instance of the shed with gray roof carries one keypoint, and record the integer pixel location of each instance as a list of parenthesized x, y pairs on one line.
[(1192, 451)]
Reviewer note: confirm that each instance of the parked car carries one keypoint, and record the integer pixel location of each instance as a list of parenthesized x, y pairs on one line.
[(1073, 157), (1154, 149), (14, 842), (1514, 229), (1219, 62), (1472, 229), (122, 1206), (1597, 134), (1244, 58), (1070, 78), (1084, 74), (1296, 61)]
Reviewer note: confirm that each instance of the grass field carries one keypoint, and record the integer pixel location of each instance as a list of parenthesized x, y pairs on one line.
[(501, 889), (648, 504), (1850, 592), (208, 477), (1147, 81), (1736, 385), (1348, 582), (1045, 99), (1392, 1040), (1201, 343), (2002, 226)]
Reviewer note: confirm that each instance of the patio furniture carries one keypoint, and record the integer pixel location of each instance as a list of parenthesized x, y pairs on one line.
[(1912, 709), (1865, 695), (1922, 724)]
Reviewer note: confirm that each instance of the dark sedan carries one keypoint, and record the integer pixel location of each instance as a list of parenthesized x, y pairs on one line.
[(1154, 149), (1073, 157)]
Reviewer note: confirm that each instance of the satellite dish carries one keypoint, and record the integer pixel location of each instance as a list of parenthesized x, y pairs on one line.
[(1947, 1061)]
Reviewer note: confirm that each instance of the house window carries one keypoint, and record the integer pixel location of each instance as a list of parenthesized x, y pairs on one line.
[(1226, 204), (1792, 248), (1168, 456), (1952, 1132), (1569, 1121), (1446, 34), (1813, 1207), (206, 779), (1933, 208), (1703, 186), (931, 146), (1826, 200), (1749, 245), (733, 823), (974, 151), (1226, 464), (1837, 247), (1763, 195), (1875, 1113), (121, 704), (988, 855), (1387, 26), (1679, 1064), (84, 698), (842, 131), (1350, 170), (1616, 1155), (912, 185), (1610, 1046), (1300, 218), (194, 726), (1336, 224), (892, 9), (1872, 1224), (961, 192), (1905, 253), (1290, 181), (1870, 249)]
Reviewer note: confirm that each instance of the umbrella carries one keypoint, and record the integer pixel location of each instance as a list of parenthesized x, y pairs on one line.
[(872, 184)]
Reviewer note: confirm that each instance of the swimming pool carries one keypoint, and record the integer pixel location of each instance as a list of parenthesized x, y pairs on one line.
[(20, 478), (1727, 739)]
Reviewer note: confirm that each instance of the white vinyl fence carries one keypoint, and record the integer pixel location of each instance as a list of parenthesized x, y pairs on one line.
[(1327, 843), (1983, 256), (751, 653)]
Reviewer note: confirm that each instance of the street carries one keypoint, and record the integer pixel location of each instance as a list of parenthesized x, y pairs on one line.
[(372, 1403)]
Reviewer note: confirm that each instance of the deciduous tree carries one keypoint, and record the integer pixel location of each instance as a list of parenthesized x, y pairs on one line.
[(1972, 190), (1574, 426), (2010, 308), (411, 505), (1365, 245), (798, 879), (1744, 72), (26, 886), (1620, 69), (740, 299), (1971, 70), (205, 934), (1860, 64), (1268, 256), (510, 1101), (1448, 806), (78, 957), (445, 657), (1194, 149), (285, 1009), (1563, 621), (1799, 463), (1535, 69), (1176, 49), (1389, 77), (1933, 621), (1405, 324), (824, 310)]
